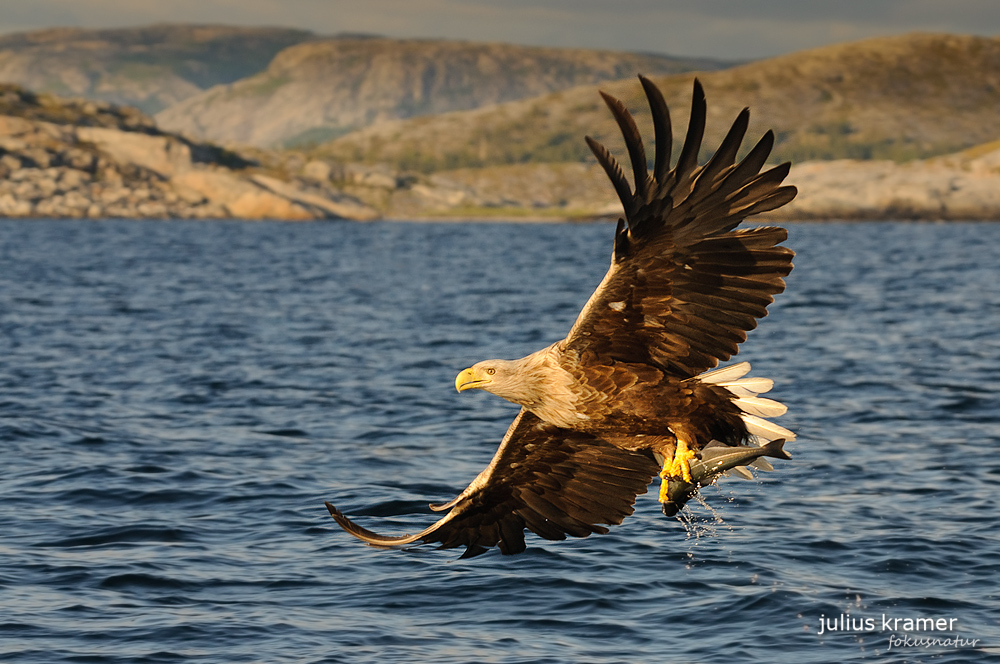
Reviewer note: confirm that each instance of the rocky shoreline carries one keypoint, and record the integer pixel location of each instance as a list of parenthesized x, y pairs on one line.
[(77, 159), (962, 186), (92, 160)]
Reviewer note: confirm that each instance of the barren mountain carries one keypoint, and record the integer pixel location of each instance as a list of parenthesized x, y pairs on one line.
[(74, 158), (316, 91), (151, 67), (896, 98)]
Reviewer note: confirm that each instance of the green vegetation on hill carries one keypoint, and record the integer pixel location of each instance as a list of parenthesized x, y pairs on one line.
[(898, 98)]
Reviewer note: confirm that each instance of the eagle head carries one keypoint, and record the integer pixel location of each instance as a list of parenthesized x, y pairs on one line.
[(517, 381), (481, 376), (503, 378)]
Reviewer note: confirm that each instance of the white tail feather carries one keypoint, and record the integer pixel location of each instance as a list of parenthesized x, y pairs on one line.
[(761, 407), (754, 409), (765, 430), (732, 378), (749, 387), (725, 374)]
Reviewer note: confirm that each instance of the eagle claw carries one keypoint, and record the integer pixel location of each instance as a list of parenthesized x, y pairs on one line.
[(678, 468)]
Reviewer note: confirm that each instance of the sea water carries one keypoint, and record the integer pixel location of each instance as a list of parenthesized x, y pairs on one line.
[(177, 400)]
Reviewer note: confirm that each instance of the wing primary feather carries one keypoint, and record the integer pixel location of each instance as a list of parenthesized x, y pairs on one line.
[(511, 535), (633, 142), (726, 154), (769, 179), (370, 537), (487, 537), (750, 166), (661, 128), (688, 160), (614, 172), (473, 550), (781, 196)]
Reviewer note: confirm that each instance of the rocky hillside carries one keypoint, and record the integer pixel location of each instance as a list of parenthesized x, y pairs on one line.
[(84, 159), (959, 186), (895, 98), (71, 158), (889, 102), (150, 68), (313, 92)]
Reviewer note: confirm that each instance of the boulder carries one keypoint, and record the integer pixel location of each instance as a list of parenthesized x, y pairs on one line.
[(164, 155), (239, 197)]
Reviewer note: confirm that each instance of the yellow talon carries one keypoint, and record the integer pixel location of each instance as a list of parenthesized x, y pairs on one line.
[(676, 467), (682, 456), (664, 485)]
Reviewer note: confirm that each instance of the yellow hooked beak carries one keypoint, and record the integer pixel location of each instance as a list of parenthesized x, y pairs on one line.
[(471, 378)]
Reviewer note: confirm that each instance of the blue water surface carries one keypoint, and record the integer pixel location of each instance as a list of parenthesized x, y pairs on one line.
[(178, 399)]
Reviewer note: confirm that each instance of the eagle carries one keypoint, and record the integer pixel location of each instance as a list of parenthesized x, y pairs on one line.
[(633, 392)]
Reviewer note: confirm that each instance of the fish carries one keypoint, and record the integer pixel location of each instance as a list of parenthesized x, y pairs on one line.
[(715, 460)]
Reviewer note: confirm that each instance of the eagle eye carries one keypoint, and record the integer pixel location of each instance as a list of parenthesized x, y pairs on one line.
[(490, 371)]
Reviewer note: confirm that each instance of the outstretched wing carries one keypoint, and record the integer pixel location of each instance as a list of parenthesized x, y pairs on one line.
[(552, 481), (684, 287)]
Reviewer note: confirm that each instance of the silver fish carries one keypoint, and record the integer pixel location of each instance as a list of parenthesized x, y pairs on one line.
[(714, 461)]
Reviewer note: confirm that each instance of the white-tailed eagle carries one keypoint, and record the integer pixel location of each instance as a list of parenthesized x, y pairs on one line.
[(631, 393)]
